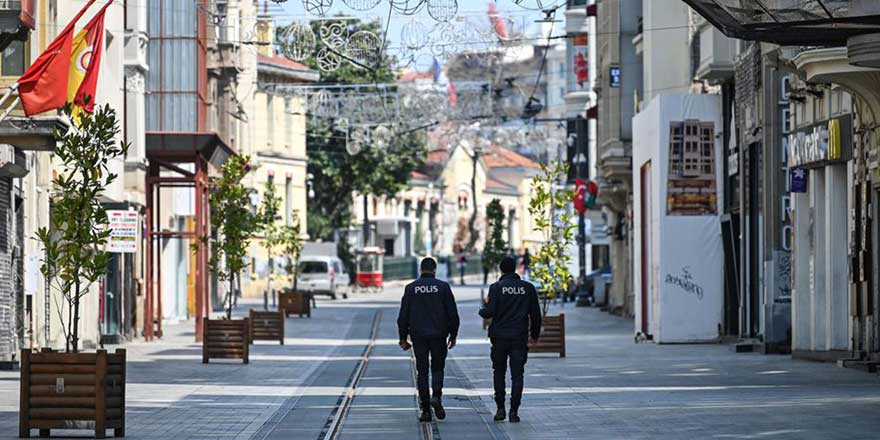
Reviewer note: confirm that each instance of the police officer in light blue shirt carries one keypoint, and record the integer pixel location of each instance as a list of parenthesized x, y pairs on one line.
[(516, 314), (429, 317)]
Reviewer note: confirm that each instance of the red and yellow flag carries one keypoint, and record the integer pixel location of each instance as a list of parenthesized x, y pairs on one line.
[(85, 63), (43, 86)]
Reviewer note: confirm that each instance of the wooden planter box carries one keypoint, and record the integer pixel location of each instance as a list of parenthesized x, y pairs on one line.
[(295, 303), (552, 339), (267, 326), (72, 391), (226, 339)]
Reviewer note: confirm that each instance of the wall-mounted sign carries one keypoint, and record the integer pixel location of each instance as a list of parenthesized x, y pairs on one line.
[(614, 74), (821, 143), (797, 180), (123, 231)]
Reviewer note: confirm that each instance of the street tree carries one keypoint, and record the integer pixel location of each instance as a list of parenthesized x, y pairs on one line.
[(270, 207), (75, 242), (233, 224), (290, 240), (553, 221), (495, 248)]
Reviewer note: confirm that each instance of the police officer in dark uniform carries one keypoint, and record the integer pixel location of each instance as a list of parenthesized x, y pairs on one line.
[(429, 316), (515, 312)]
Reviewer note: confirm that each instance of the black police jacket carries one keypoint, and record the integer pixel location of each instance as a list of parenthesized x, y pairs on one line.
[(427, 310), (513, 305)]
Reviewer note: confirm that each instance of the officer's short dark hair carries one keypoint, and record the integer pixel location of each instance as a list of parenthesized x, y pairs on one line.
[(428, 265), (508, 265)]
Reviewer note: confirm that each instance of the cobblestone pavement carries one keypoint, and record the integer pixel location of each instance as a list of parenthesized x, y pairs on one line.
[(607, 387)]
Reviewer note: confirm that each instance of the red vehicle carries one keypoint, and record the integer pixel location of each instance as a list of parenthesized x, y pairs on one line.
[(368, 274)]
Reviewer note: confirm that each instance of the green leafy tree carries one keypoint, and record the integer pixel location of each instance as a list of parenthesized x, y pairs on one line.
[(554, 222), (270, 207), (233, 224), (75, 241), (495, 248), (290, 240)]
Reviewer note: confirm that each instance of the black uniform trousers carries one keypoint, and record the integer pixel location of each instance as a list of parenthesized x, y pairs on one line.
[(437, 348), (516, 351)]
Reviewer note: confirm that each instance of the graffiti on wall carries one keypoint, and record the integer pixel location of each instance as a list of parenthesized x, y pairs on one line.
[(685, 281)]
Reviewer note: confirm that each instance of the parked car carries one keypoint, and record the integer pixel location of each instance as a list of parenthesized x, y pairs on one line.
[(588, 295), (321, 275)]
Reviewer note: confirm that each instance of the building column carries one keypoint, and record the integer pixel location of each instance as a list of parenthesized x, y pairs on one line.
[(836, 253), (801, 303), (818, 253)]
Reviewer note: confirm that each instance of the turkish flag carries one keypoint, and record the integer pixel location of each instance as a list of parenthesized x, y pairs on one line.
[(43, 86), (580, 193)]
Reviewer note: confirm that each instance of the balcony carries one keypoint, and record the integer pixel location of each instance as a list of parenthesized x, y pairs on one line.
[(716, 53), (16, 20)]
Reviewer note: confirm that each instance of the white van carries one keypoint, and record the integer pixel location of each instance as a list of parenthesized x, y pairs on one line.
[(322, 275)]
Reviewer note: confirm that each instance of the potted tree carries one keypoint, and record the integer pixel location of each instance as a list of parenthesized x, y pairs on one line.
[(265, 324), (495, 247), (553, 221), (74, 390), (291, 301), (233, 224)]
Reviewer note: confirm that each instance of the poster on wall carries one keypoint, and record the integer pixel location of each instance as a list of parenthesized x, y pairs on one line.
[(580, 73), (123, 231), (691, 184)]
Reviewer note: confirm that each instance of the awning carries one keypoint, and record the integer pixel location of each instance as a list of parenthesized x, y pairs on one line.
[(789, 22), (187, 146)]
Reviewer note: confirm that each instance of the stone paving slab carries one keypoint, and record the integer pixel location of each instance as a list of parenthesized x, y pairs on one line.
[(610, 387), (172, 395)]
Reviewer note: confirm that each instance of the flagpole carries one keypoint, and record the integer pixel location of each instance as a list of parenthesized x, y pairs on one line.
[(5, 98), (10, 108)]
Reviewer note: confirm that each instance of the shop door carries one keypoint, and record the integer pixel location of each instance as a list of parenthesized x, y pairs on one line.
[(731, 241), (112, 301), (753, 266)]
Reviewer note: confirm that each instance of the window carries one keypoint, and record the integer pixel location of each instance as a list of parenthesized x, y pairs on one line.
[(14, 60), (312, 267)]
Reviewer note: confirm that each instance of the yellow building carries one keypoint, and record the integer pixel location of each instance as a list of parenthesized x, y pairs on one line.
[(273, 134)]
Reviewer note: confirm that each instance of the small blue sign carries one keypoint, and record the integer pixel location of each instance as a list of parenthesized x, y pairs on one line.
[(615, 77), (798, 180)]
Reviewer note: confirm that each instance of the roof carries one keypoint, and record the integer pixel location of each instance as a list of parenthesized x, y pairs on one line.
[(498, 187), (499, 157), (278, 65), (415, 75), (418, 175)]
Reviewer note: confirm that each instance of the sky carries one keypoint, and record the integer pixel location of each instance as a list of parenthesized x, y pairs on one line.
[(469, 11)]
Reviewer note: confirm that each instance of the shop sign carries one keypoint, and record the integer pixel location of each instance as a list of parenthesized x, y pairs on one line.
[(821, 143)]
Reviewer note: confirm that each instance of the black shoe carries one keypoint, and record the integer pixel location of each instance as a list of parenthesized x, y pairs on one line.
[(514, 415), (438, 408), (501, 413), (426, 415)]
